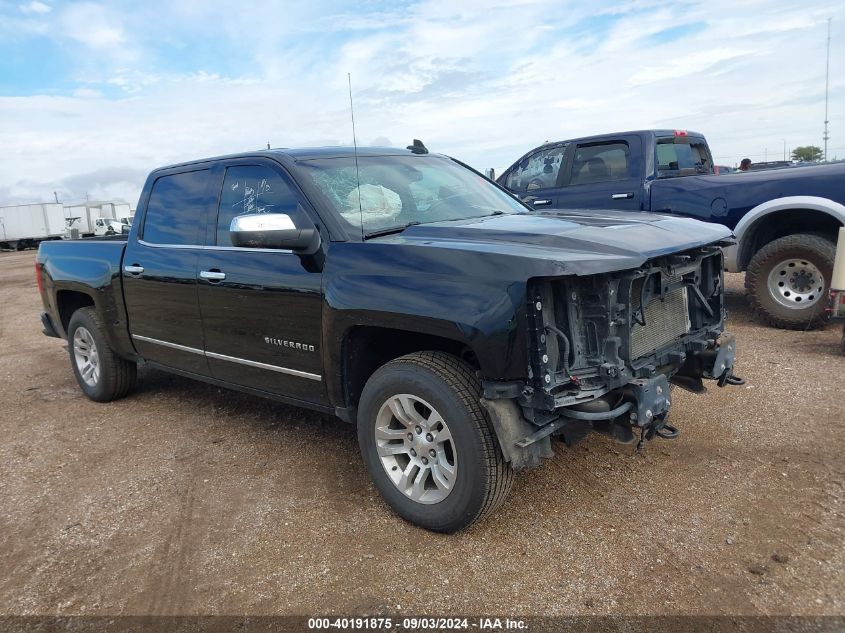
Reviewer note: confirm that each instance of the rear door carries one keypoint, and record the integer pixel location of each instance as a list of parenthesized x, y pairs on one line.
[(604, 175), (536, 177), (160, 271), (261, 308)]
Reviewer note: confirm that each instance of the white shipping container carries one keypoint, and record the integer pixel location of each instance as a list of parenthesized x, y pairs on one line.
[(93, 214), (76, 217), (31, 222), (54, 213), (107, 210)]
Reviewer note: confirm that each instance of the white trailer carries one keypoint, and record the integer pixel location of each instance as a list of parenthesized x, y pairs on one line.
[(123, 212), (107, 210), (81, 219), (97, 218), (26, 225)]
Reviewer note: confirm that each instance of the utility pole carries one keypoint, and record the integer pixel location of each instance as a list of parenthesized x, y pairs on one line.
[(826, 136), (56, 196), (784, 150)]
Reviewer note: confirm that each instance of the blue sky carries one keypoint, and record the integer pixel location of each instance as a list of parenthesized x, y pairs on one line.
[(93, 95)]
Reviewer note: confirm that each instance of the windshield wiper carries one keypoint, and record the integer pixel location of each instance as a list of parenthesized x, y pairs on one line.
[(390, 230)]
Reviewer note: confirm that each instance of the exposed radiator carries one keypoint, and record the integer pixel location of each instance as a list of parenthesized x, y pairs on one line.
[(665, 321)]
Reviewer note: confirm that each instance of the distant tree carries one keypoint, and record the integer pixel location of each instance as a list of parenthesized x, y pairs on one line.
[(809, 153)]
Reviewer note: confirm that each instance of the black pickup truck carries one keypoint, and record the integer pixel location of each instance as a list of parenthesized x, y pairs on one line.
[(404, 292), (785, 220)]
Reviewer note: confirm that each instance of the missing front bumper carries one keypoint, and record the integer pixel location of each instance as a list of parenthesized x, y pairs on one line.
[(642, 404)]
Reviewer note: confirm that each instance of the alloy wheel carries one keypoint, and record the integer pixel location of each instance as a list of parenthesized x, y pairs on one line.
[(86, 356), (416, 448)]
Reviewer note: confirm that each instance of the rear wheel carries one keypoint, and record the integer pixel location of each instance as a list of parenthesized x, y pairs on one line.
[(102, 375), (787, 281), (428, 444)]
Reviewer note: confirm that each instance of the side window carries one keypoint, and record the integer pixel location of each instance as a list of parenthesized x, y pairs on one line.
[(674, 158), (600, 163), (176, 210), (249, 189), (537, 171)]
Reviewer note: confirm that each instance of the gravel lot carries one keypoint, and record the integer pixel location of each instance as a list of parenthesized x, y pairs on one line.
[(188, 499)]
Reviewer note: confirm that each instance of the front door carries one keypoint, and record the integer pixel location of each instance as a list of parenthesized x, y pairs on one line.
[(535, 179), (160, 272), (261, 308)]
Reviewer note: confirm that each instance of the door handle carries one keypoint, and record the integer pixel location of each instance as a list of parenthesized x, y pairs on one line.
[(622, 196), (541, 202), (134, 269), (213, 275)]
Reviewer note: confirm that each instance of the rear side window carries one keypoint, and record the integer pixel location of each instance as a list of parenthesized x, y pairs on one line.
[(176, 210), (537, 171), (682, 159), (600, 163), (249, 189)]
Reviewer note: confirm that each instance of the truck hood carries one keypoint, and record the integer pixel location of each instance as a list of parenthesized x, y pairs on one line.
[(567, 241)]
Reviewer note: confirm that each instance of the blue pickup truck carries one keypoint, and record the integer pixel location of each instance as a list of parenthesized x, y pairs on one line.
[(785, 220)]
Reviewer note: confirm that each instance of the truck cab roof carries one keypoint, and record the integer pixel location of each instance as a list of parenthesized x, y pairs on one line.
[(598, 138), (302, 154)]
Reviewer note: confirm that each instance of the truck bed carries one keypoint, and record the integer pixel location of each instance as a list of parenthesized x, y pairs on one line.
[(68, 266)]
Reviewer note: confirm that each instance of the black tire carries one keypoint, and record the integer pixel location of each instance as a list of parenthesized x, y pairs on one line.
[(814, 249), (483, 478), (117, 376)]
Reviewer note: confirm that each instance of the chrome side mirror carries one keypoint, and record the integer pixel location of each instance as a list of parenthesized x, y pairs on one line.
[(272, 230)]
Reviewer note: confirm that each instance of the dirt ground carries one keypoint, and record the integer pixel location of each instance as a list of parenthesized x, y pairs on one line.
[(189, 499)]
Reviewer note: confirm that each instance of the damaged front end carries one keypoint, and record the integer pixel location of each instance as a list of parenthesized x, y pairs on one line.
[(604, 350)]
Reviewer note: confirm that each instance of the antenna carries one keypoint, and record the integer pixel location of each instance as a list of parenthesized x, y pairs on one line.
[(826, 136), (355, 151)]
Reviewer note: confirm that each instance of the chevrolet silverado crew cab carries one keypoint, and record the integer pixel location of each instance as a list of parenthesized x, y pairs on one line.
[(405, 293), (785, 220)]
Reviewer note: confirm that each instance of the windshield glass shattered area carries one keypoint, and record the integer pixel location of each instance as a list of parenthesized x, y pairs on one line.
[(395, 191)]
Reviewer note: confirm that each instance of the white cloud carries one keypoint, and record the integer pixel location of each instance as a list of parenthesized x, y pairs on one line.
[(479, 80), (87, 93), (35, 7), (93, 25)]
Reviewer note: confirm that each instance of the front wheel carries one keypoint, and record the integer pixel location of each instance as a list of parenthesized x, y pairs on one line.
[(428, 444), (102, 375), (787, 281)]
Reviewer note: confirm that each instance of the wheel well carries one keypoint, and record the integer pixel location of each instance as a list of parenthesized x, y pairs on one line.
[(367, 348), (68, 302), (779, 224)]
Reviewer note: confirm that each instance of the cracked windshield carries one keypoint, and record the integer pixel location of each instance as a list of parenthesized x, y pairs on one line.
[(396, 191)]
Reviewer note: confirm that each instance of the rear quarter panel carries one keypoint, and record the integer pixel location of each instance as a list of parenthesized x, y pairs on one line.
[(91, 267), (726, 199)]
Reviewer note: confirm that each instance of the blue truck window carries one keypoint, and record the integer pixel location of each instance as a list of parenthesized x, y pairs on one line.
[(676, 159), (537, 171), (176, 210), (600, 163), (251, 189)]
